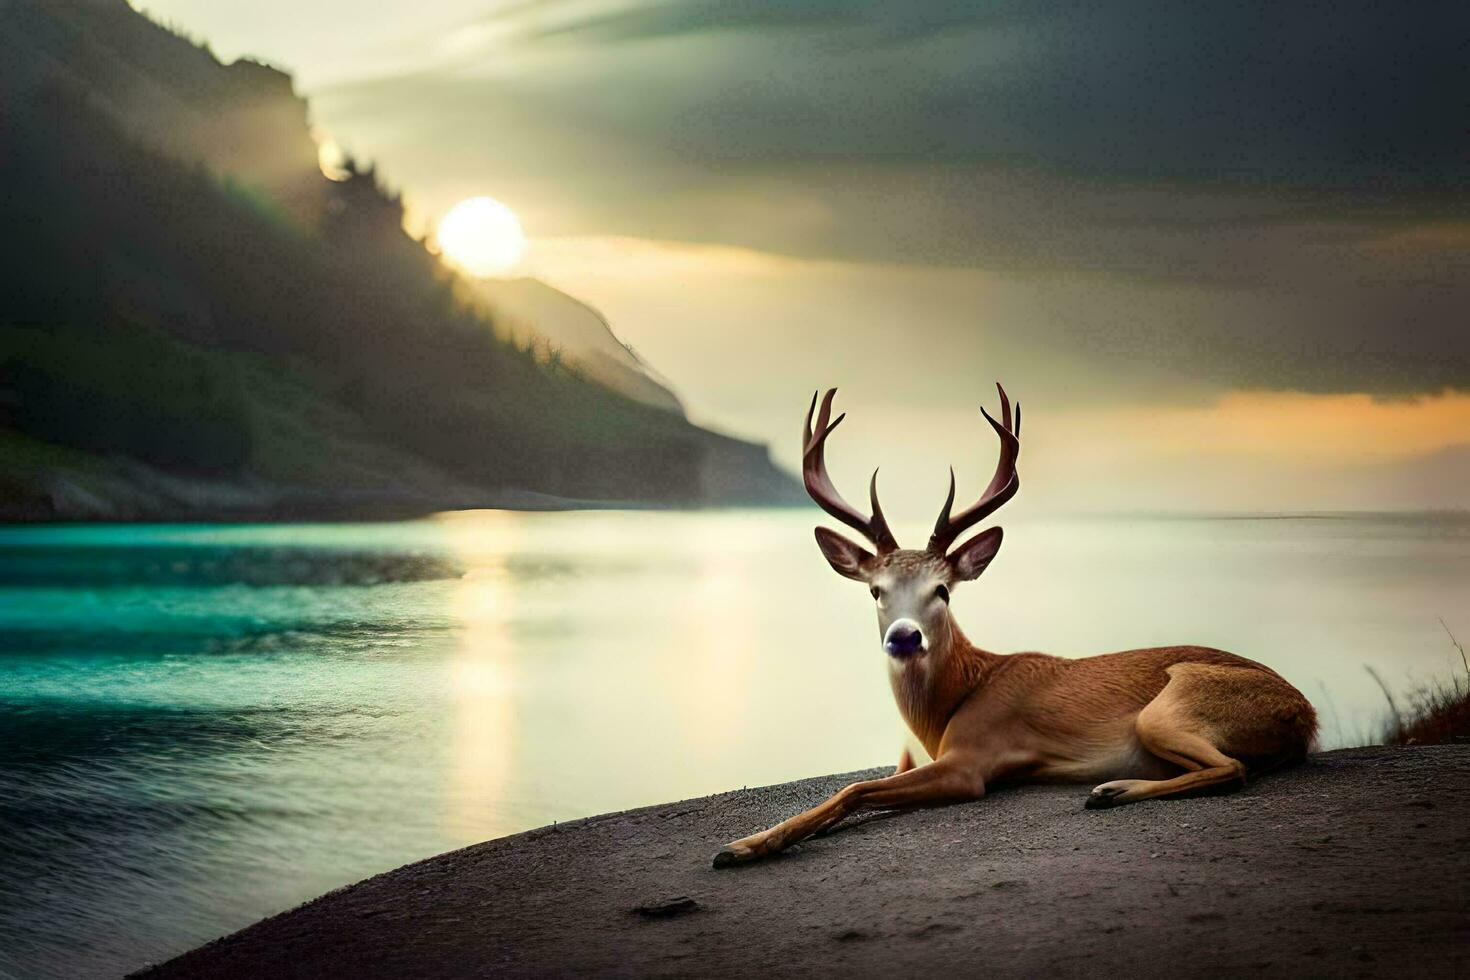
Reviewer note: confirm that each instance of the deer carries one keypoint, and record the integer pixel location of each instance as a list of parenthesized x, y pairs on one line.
[(1141, 724)]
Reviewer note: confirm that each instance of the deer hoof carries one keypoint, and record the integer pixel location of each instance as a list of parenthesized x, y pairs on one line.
[(733, 854), (1104, 797)]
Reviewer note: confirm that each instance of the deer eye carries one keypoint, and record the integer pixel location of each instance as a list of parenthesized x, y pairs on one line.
[(942, 593), (875, 590)]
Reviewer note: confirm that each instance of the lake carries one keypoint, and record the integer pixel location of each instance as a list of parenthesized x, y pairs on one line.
[(203, 725)]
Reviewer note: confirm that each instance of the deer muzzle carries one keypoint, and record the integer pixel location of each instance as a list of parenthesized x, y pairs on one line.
[(904, 638)]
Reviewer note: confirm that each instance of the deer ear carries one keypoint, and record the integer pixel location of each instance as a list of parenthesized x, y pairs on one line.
[(847, 559), (970, 558)]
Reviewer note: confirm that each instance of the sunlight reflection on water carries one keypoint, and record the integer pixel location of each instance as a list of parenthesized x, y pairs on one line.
[(204, 725)]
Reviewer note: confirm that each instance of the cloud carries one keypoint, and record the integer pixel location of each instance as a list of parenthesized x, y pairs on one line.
[(1256, 195), (1357, 95)]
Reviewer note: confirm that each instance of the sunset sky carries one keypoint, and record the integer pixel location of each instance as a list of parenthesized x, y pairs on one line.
[(1221, 254)]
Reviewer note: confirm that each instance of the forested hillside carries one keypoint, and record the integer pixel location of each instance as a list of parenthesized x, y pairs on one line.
[(193, 320)]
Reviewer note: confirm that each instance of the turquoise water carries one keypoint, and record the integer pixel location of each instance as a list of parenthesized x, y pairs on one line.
[(203, 725)]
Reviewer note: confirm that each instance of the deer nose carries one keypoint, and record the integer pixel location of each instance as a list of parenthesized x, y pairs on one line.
[(903, 638)]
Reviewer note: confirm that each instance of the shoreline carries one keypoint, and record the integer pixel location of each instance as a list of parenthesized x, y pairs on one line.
[(525, 502), (530, 502), (1355, 862)]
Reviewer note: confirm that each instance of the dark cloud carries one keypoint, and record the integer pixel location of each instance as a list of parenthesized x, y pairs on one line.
[(1361, 95), (1270, 194)]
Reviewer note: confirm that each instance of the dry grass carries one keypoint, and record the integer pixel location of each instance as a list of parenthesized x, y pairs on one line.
[(1434, 714)]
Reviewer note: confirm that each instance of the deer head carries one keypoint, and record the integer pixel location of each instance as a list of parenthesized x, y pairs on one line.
[(911, 588)]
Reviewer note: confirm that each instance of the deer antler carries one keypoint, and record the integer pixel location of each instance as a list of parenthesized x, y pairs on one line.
[(819, 484), (1003, 485)]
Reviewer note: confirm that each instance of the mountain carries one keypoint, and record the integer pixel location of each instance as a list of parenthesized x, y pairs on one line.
[(528, 311), (241, 120), (194, 321)]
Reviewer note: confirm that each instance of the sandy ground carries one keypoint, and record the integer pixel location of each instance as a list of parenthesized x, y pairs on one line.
[(1353, 865)]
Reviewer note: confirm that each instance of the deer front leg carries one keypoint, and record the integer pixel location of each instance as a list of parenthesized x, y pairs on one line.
[(946, 780)]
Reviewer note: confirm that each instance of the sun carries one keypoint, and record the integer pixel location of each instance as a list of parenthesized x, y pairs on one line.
[(482, 236)]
